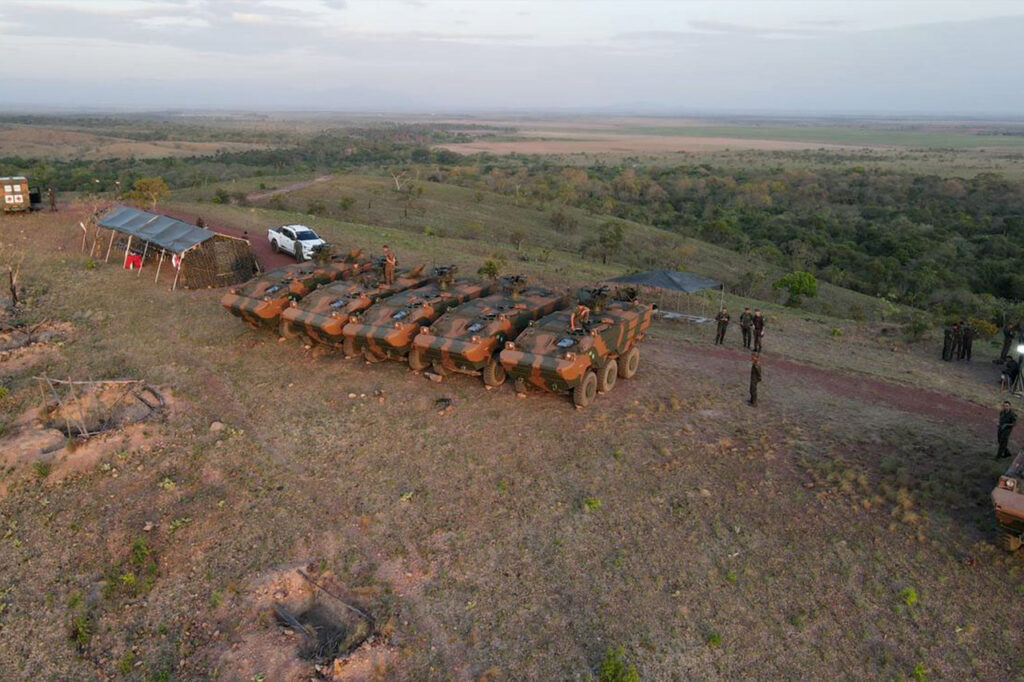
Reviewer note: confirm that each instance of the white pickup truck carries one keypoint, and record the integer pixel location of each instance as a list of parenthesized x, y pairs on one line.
[(298, 240)]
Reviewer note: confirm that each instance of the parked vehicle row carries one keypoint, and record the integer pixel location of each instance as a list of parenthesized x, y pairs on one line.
[(539, 337)]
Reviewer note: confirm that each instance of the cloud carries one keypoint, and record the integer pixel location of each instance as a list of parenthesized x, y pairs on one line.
[(173, 22)]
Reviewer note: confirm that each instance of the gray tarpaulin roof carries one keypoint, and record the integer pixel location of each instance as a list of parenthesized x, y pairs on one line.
[(670, 280), (167, 233)]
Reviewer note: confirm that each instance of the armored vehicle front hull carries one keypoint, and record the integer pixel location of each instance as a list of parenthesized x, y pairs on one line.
[(551, 356), (386, 330), (261, 301), (468, 338), (322, 315), (1008, 500)]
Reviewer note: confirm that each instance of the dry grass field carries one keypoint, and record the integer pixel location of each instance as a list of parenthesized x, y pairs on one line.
[(841, 530), (33, 141)]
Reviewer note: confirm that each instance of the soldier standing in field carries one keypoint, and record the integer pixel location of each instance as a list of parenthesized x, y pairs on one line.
[(968, 342), (947, 344), (958, 338), (755, 378), (722, 318), (1007, 420), (390, 262), (746, 322), (758, 330), (1009, 331)]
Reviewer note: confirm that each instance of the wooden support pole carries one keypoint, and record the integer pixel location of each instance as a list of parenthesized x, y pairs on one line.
[(110, 245), (127, 250), (145, 250), (95, 238), (159, 265), (85, 233)]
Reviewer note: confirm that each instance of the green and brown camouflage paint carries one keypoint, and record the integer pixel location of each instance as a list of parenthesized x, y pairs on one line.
[(387, 328), (1008, 500), (467, 338), (551, 357), (261, 300), (322, 314)]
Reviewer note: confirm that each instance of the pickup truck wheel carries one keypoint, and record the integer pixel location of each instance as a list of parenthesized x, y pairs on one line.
[(416, 361), (298, 254), (494, 373), (586, 390), (606, 376), (629, 363), (274, 247)]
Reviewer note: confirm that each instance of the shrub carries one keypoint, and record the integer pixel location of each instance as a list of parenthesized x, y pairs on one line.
[(490, 269), (316, 207), (614, 669), (798, 285), (983, 329)]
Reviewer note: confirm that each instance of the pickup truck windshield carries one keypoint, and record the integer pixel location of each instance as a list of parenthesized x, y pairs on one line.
[(305, 236)]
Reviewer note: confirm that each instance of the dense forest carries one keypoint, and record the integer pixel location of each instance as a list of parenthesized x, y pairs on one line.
[(924, 240)]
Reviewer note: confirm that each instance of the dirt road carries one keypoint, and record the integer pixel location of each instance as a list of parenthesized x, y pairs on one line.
[(938, 406), (257, 196)]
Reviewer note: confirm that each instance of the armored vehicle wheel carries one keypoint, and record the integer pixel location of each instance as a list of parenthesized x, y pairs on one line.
[(494, 373), (439, 369), (585, 392), (520, 385), (289, 330), (370, 356), (1009, 541), (629, 363), (606, 376), (416, 361), (348, 346)]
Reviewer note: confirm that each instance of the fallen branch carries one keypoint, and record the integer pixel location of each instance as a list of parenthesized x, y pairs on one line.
[(368, 617)]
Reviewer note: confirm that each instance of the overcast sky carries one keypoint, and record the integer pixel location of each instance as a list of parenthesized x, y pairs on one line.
[(661, 56)]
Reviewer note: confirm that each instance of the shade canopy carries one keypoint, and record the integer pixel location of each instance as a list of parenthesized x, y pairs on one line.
[(167, 233), (670, 280)]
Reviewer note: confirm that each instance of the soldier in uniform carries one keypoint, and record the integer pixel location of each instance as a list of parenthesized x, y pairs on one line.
[(947, 344), (758, 330), (578, 318), (746, 322), (722, 318), (1009, 331), (390, 262), (968, 341), (1007, 420), (755, 378), (958, 337)]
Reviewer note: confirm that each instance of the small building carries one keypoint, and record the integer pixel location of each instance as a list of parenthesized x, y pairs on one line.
[(199, 258), (16, 194)]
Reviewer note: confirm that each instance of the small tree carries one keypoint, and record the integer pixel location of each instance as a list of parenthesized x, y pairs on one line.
[(346, 203), (149, 191), (798, 284), (611, 238)]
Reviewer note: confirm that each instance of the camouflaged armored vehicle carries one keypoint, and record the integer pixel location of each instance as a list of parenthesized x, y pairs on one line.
[(322, 314), (1008, 499), (468, 338), (553, 355), (387, 328), (261, 300)]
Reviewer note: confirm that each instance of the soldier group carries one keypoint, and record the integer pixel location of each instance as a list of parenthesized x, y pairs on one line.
[(752, 330), (957, 341)]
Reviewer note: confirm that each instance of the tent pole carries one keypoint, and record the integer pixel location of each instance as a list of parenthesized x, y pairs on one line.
[(181, 266), (158, 266), (127, 250), (110, 245), (145, 250)]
